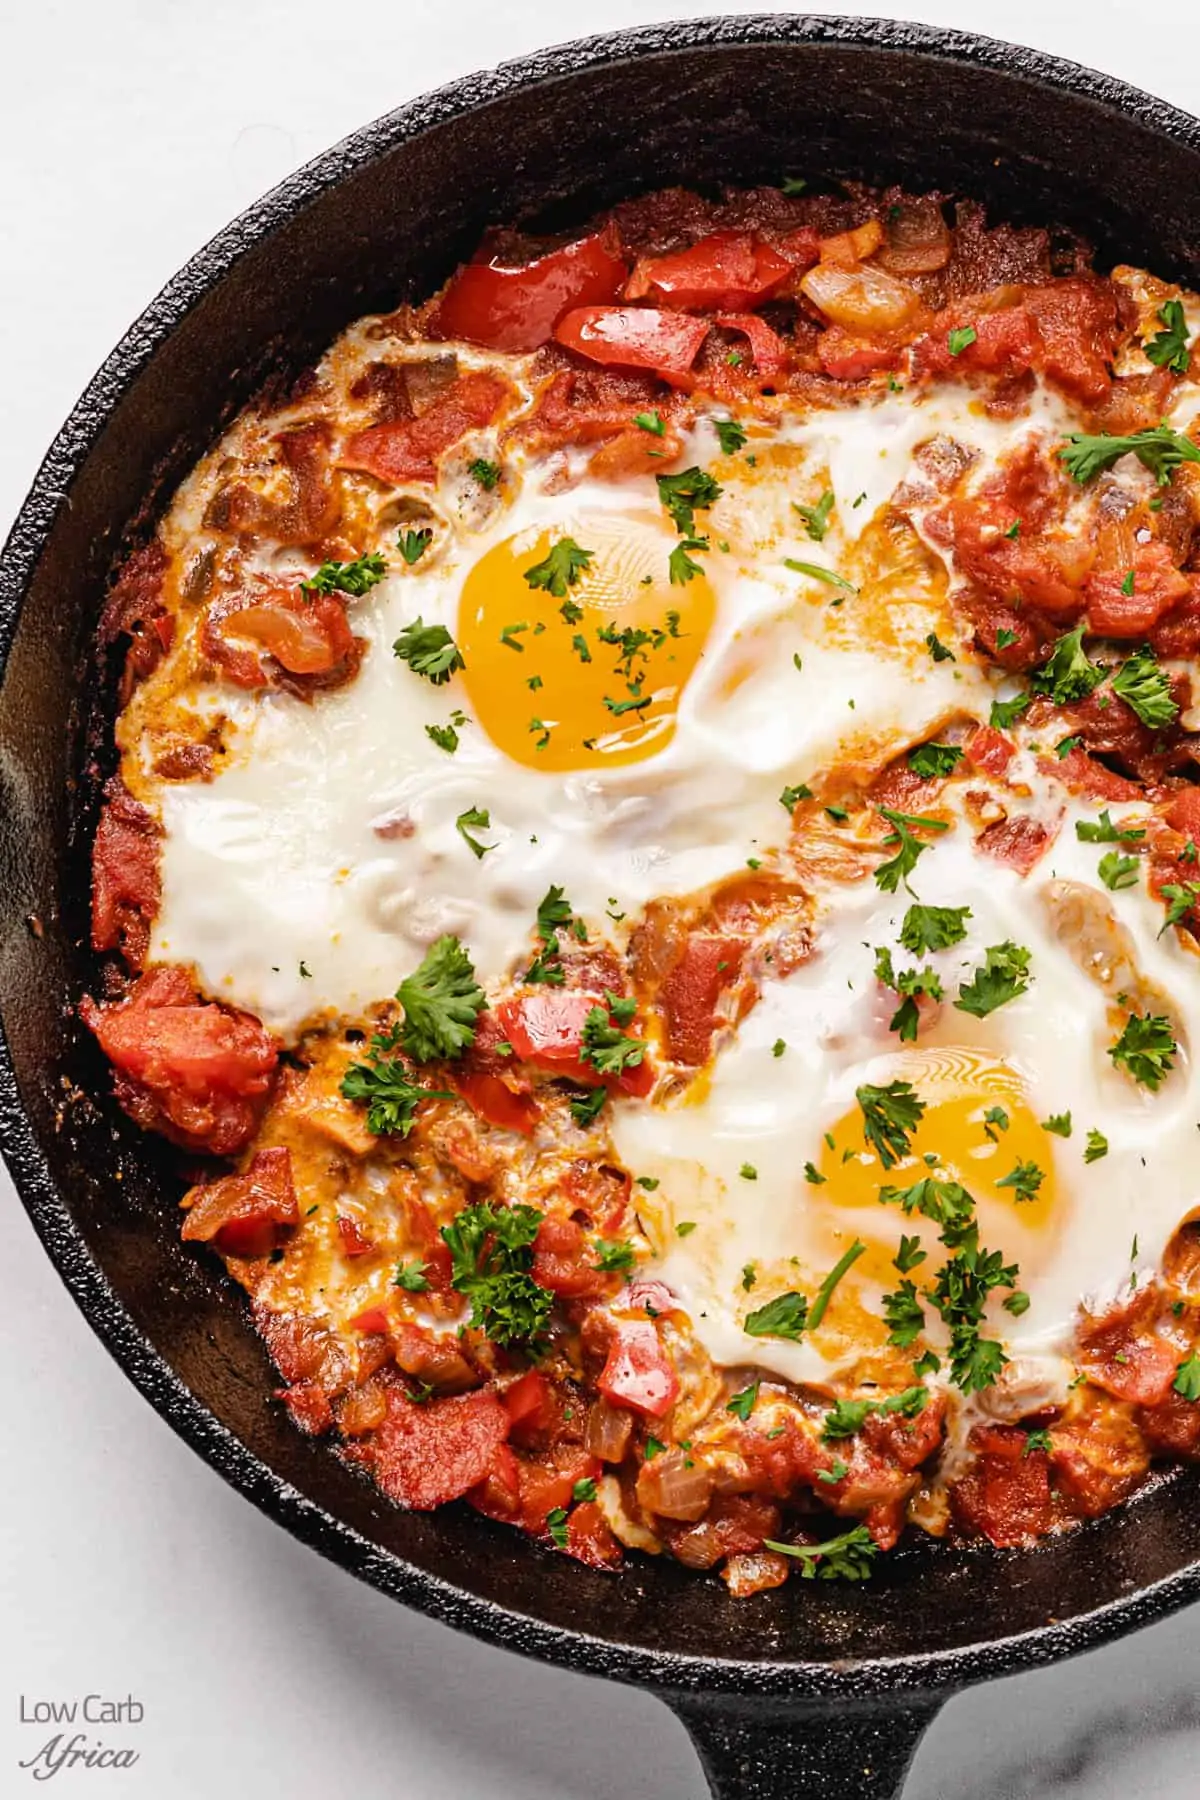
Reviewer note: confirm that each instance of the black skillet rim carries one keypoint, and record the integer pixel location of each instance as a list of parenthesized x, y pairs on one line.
[(860, 1679)]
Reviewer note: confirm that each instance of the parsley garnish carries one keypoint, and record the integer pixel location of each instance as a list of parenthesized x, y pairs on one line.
[(904, 1315), (730, 435), (681, 568), (1005, 713), (847, 1558), (816, 573), (824, 1293), (791, 796), (1146, 1048), (355, 577), (444, 736), (560, 569), (586, 1107), (604, 1044), (476, 818), (385, 1084), (651, 422), (1168, 348), (1147, 689), (1187, 1378), (429, 650), (556, 1525), (1037, 1440), (412, 545), (960, 339), (1159, 449), (1068, 674), (784, 1317), (928, 928), (849, 1416), (1182, 896), (938, 650), (929, 760), (996, 1117), (441, 1002), (491, 1257), (553, 913), (685, 494), (1097, 1146), (614, 1255), (1105, 832), (1118, 871), (487, 474), (965, 1280), (584, 1489), (909, 983), (816, 518), (814, 1176), (411, 1277), (742, 1405), (1024, 1179), (890, 1115), (1003, 977), (1059, 1124), (898, 868)]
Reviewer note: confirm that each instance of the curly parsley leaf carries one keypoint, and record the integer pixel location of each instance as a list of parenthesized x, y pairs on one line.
[(909, 984), (1097, 1146), (1003, 977), (387, 1089), (845, 1558), (1146, 1049), (784, 1317), (1181, 897), (1159, 449), (730, 435), (685, 494), (487, 474), (1168, 348), (1118, 871), (587, 1107), (560, 569), (960, 339), (429, 650), (412, 545), (890, 1115), (411, 1277), (1024, 1179), (441, 1001), (1103, 831), (1147, 689), (682, 568), (849, 1416), (904, 1315), (1187, 1378), (1005, 713), (908, 848), (651, 422), (1059, 1124), (927, 928), (605, 1045), (491, 1255), (930, 760), (476, 818), (792, 796), (356, 577), (1068, 673), (742, 1405)]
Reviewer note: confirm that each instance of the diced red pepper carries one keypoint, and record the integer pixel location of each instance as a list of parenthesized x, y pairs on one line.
[(589, 1539), (1020, 842), (638, 1372), (850, 358), (691, 992), (728, 271), (126, 887), (546, 1029), (766, 345), (636, 337), (989, 750), (355, 1241), (406, 450), (516, 308), (372, 1319)]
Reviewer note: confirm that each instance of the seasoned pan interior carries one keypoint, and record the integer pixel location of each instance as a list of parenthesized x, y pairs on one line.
[(382, 217)]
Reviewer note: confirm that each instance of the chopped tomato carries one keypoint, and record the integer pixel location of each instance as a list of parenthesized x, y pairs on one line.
[(373, 1319), (850, 358), (516, 308), (1157, 586), (126, 888), (424, 1456), (1121, 1351), (250, 636), (1084, 775), (1183, 813), (1172, 1427), (989, 750), (1005, 340), (1098, 1461), (527, 1401), (198, 1073), (638, 1372), (766, 345), (407, 450), (546, 1029), (728, 271), (355, 1241), (1006, 1494), (636, 337), (491, 1097), (691, 993), (1020, 842), (589, 1539), (599, 1190), (241, 1214), (565, 1262), (433, 1358)]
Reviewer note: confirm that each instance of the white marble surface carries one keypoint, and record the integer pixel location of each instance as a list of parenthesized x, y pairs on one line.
[(130, 131)]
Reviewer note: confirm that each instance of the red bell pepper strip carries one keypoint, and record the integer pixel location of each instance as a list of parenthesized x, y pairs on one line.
[(765, 344), (729, 271), (516, 309), (636, 337), (638, 1372)]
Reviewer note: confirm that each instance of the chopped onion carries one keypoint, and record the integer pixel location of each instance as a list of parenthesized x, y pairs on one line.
[(606, 1433), (863, 299), (673, 1489), (918, 240)]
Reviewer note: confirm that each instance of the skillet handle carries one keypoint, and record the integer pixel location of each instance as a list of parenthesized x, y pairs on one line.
[(843, 1751)]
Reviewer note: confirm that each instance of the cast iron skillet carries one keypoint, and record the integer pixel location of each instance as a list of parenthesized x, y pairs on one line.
[(816, 1688)]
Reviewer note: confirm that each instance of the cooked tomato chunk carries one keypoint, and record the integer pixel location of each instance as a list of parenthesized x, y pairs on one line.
[(126, 888), (423, 1456), (241, 1214)]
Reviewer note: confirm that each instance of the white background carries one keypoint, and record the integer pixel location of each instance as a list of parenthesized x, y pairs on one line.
[(130, 131)]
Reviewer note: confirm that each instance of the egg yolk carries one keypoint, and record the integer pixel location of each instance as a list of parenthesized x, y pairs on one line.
[(977, 1130), (585, 673)]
